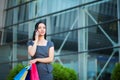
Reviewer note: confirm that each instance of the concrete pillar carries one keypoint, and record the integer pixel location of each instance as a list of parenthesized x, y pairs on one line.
[(82, 46), (2, 6), (15, 20), (2, 19), (118, 12)]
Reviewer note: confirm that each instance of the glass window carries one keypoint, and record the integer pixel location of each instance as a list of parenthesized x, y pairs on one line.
[(8, 35), (64, 21), (102, 36), (9, 18), (101, 11), (21, 16), (32, 11), (6, 58), (22, 53), (59, 5), (12, 3), (22, 32), (70, 61), (26, 12), (98, 59), (41, 7), (67, 41)]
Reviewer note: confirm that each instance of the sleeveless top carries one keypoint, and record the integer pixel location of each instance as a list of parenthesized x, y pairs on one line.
[(42, 52)]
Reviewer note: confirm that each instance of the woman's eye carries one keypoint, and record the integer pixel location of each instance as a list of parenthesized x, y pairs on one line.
[(41, 27)]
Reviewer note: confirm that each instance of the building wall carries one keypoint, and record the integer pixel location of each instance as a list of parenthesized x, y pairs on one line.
[(84, 32), (2, 5)]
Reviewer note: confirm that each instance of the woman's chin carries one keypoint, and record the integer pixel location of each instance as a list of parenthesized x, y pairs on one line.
[(42, 35)]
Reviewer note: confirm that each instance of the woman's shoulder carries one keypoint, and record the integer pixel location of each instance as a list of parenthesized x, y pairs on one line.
[(30, 42), (50, 43)]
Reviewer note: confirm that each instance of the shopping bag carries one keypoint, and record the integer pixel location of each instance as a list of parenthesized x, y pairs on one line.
[(22, 74), (28, 75), (34, 73)]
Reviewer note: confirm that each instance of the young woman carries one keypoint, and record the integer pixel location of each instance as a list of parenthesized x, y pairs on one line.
[(42, 52)]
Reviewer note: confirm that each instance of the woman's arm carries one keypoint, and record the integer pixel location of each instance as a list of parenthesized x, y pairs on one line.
[(48, 59), (32, 49)]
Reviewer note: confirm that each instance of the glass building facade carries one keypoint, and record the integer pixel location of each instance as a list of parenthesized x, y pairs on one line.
[(86, 34)]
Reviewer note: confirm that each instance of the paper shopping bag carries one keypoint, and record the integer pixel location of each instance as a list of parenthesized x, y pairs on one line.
[(23, 73), (20, 74), (34, 73), (28, 75)]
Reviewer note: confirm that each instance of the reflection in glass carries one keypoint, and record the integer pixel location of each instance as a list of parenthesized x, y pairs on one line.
[(8, 35), (12, 3), (63, 22), (22, 32), (70, 61), (9, 18), (22, 53), (56, 5), (98, 59), (101, 11), (5, 57), (66, 41), (102, 36)]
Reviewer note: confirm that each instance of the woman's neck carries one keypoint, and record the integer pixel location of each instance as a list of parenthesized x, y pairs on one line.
[(41, 38)]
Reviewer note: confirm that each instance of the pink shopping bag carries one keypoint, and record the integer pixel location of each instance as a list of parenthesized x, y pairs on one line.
[(34, 73)]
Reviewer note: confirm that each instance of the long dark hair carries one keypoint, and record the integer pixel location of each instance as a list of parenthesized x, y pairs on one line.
[(36, 28)]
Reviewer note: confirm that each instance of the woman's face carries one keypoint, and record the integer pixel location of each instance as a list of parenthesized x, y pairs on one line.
[(41, 29)]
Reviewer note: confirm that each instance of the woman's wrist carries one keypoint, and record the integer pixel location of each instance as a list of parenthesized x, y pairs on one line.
[(37, 60)]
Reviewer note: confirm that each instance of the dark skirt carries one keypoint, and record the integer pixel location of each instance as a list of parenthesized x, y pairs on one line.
[(44, 71), (46, 76)]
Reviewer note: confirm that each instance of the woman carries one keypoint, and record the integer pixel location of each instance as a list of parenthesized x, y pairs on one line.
[(42, 52)]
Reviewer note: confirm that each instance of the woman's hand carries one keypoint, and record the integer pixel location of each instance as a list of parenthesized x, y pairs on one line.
[(36, 36), (33, 61)]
